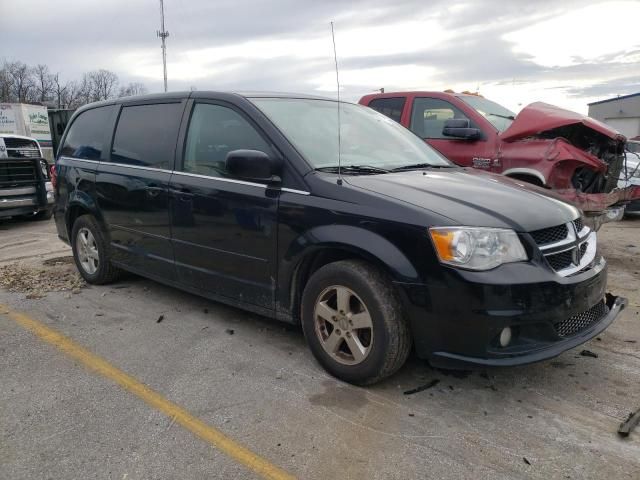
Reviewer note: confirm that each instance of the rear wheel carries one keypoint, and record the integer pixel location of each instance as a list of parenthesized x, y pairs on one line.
[(353, 322), (90, 252)]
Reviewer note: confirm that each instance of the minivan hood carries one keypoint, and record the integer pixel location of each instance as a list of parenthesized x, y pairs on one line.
[(472, 197), (540, 117)]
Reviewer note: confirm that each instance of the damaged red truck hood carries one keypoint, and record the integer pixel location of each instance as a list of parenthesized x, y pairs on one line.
[(540, 117)]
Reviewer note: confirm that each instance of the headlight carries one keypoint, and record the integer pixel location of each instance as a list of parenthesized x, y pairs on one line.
[(477, 248), (45, 169)]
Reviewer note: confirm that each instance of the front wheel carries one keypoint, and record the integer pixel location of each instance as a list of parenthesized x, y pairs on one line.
[(90, 251), (353, 322)]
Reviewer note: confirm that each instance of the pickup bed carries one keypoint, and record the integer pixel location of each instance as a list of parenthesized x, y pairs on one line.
[(577, 157)]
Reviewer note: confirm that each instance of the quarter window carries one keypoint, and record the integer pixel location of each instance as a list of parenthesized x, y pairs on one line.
[(391, 107), (87, 134), (146, 135), (429, 114), (214, 131)]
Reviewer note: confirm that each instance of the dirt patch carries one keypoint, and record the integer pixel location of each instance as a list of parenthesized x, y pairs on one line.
[(55, 275)]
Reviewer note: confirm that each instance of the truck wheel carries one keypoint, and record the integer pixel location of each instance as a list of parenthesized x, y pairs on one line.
[(91, 252), (353, 322), (43, 215)]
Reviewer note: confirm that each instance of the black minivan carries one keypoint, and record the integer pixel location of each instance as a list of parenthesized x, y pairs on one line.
[(330, 215)]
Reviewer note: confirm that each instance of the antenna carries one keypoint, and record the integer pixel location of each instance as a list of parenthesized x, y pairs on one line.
[(335, 58), (163, 34)]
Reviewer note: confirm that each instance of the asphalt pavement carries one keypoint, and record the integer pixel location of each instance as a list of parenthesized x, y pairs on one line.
[(136, 380)]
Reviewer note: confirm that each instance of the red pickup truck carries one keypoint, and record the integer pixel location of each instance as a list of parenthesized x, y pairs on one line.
[(576, 156)]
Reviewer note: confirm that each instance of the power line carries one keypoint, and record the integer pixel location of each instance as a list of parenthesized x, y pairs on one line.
[(163, 34)]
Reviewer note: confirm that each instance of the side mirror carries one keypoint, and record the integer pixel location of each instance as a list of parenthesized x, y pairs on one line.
[(459, 128), (253, 165)]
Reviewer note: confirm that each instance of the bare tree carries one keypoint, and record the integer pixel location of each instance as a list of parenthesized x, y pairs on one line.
[(103, 84), (132, 88), (22, 83), (60, 91), (44, 82), (5, 83)]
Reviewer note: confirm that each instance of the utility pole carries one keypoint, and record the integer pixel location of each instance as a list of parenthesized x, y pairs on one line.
[(163, 34)]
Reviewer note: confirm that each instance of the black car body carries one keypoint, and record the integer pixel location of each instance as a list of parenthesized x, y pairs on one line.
[(25, 186), (261, 238)]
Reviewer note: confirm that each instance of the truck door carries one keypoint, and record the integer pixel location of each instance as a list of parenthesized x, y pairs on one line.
[(427, 121)]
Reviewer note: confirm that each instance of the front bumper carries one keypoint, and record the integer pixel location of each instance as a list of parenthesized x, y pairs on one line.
[(594, 204), (535, 352), (457, 318)]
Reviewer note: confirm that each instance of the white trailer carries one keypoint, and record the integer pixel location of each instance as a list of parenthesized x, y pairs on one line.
[(29, 121)]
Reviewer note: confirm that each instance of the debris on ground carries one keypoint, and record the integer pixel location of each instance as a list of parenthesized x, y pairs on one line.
[(588, 353), (36, 281), (461, 374), (160, 318), (629, 424), (230, 331), (421, 388), (561, 364)]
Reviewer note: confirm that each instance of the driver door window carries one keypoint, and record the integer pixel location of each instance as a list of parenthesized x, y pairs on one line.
[(214, 131), (429, 114)]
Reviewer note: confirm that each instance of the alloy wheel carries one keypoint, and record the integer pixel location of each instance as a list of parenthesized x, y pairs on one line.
[(343, 325), (87, 249)]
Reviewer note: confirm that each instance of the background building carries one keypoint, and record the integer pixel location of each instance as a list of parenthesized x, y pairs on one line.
[(622, 113)]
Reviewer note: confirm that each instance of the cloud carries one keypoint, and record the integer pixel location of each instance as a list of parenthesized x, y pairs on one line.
[(565, 52)]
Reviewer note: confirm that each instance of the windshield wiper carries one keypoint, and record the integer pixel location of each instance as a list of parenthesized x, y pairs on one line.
[(508, 117), (354, 169), (417, 166)]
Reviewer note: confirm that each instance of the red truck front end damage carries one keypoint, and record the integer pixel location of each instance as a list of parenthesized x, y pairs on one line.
[(577, 157)]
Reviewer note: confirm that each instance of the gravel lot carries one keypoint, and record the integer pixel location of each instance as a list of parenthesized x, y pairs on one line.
[(254, 380)]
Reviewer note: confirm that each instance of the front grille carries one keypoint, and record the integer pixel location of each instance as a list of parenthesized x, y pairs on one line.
[(550, 235), (15, 173), (578, 224), (560, 261), (581, 321), (21, 148), (582, 251)]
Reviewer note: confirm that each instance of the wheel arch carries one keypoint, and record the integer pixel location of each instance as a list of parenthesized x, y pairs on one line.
[(81, 203), (529, 175), (324, 245)]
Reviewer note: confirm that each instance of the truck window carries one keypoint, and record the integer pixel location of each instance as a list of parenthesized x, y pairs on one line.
[(146, 135), (86, 137), (213, 132), (391, 107), (429, 114)]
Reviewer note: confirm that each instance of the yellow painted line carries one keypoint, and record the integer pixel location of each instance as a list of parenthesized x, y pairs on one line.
[(179, 415)]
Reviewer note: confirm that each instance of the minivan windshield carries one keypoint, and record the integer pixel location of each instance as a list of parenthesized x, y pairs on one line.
[(499, 116), (370, 142)]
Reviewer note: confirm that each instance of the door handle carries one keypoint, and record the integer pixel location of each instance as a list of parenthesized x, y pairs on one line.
[(183, 194), (153, 191)]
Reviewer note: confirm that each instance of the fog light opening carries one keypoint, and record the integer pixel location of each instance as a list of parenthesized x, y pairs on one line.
[(505, 337)]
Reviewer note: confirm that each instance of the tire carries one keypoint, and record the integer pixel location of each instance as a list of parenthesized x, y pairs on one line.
[(43, 215), (383, 346), (91, 256)]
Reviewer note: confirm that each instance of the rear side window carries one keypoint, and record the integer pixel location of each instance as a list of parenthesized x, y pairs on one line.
[(391, 107), (86, 137), (429, 114), (214, 131), (146, 135)]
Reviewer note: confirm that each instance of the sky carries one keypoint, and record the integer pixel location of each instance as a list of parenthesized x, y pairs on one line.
[(567, 53)]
